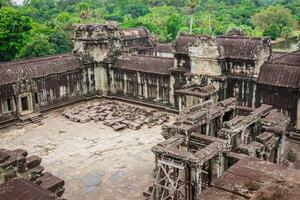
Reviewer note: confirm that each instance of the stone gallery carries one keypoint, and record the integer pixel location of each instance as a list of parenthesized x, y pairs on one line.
[(237, 101)]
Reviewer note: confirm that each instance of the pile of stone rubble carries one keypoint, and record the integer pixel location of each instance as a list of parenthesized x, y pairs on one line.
[(116, 115), (17, 164)]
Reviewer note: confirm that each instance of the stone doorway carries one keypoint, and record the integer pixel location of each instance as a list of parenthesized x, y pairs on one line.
[(25, 104)]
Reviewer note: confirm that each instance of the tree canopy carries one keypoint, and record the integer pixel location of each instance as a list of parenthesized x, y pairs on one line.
[(44, 27)]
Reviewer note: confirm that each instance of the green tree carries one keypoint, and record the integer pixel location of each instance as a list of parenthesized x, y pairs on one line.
[(136, 10), (61, 42), (191, 6), (65, 21), (174, 24), (44, 10), (273, 16), (38, 46), (5, 3), (210, 8), (13, 30), (273, 31), (286, 32)]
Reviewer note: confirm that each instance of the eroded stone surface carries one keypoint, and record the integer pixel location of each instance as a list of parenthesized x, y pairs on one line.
[(95, 161)]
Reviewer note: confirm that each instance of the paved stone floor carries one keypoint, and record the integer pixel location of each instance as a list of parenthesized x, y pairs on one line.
[(95, 162)]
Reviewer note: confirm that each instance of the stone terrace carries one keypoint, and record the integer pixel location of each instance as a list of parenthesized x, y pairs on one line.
[(95, 161)]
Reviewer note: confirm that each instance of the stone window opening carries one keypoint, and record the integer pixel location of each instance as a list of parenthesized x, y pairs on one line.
[(24, 103), (63, 91), (36, 98), (8, 105)]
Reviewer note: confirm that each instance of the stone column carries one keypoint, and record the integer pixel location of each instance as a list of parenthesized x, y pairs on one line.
[(298, 115), (180, 103), (146, 89), (157, 89), (254, 95), (172, 92), (112, 84), (221, 163), (221, 121), (103, 79), (196, 181), (125, 84), (139, 84), (207, 128), (280, 150)]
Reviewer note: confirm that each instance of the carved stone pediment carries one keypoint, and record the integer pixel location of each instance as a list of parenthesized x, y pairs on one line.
[(25, 85)]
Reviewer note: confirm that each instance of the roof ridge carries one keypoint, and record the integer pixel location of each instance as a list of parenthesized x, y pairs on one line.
[(135, 28), (283, 55), (191, 34), (283, 64), (36, 59), (240, 37), (148, 56)]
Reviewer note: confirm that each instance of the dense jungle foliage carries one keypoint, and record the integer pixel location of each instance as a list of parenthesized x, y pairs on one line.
[(44, 27)]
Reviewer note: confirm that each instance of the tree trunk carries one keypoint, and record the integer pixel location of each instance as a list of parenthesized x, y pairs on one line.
[(191, 23), (209, 23)]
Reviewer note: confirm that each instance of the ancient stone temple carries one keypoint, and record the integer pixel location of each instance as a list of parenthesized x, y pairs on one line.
[(237, 101), (209, 138), (130, 64)]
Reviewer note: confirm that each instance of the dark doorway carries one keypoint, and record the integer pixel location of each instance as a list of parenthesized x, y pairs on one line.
[(24, 103)]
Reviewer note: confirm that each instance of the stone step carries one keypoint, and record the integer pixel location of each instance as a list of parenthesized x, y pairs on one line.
[(36, 120), (294, 136)]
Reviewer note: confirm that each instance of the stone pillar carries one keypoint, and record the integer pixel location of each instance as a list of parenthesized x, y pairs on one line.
[(146, 89), (103, 79), (224, 91), (157, 89), (125, 84), (112, 84), (243, 137), (190, 100), (85, 81), (221, 163), (221, 121), (254, 95), (196, 181), (298, 115), (280, 150), (180, 103), (139, 84), (207, 128), (172, 92)]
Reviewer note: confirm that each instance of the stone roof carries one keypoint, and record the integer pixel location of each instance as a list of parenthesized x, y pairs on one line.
[(147, 64), (239, 47), (276, 54), (184, 41), (25, 190), (38, 67), (235, 47), (164, 47), (255, 179), (197, 91), (134, 33), (282, 71)]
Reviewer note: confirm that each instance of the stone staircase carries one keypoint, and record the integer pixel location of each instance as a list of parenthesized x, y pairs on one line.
[(294, 135), (31, 118), (36, 119)]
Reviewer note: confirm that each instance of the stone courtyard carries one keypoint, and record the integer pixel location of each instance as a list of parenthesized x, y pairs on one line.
[(95, 161)]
